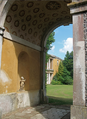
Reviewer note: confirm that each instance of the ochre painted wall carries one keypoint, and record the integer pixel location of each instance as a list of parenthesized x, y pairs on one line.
[(10, 77), (55, 66)]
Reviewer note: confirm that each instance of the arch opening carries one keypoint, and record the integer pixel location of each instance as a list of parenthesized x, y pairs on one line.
[(31, 21), (60, 86)]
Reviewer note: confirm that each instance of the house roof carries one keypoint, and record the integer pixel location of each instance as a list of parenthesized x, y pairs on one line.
[(53, 56)]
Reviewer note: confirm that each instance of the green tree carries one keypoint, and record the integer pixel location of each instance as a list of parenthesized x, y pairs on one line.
[(68, 62), (50, 40), (65, 70), (60, 70)]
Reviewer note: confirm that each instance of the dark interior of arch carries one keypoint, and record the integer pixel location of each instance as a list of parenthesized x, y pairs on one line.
[(30, 20)]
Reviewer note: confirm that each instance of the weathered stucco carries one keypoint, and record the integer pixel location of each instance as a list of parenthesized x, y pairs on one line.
[(10, 74), (55, 66), (12, 101), (78, 112), (79, 61)]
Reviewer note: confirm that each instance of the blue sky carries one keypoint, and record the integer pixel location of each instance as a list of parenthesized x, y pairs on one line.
[(63, 41)]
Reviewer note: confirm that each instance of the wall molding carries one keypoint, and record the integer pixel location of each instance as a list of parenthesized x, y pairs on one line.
[(14, 38)]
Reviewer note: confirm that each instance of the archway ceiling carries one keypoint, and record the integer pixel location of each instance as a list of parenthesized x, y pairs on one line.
[(30, 20)]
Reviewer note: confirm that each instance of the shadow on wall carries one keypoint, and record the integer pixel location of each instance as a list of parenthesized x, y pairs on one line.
[(23, 71), (19, 61)]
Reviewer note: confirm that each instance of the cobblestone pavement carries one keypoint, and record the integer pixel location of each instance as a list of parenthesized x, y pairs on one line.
[(43, 111)]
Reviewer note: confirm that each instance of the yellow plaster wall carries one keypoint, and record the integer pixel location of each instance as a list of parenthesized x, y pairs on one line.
[(55, 66), (9, 81)]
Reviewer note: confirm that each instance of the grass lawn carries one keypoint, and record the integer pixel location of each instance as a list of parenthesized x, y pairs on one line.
[(60, 94)]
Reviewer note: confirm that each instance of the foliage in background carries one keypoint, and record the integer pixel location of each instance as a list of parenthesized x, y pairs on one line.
[(50, 40), (65, 71), (60, 70), (68, 62), (53, 82)]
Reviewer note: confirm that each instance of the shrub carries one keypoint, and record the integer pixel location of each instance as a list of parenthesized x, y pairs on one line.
[(53, 82), (61, 79), (55, 77), (69, 81)]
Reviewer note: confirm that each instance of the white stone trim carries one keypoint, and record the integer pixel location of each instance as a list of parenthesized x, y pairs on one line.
[(21, 41)]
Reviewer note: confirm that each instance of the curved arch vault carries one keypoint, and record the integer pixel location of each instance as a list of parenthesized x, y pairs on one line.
[(24, 28), (30, 20)]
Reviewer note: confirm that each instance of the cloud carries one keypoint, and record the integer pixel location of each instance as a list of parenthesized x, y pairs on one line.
[(56, 31), (68, 45), (53, 47)]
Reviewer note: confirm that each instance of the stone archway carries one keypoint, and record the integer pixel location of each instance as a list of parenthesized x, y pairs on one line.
[(29, 23), (32, 21)]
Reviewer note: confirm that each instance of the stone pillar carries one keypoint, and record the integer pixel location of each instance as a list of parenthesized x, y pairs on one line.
[(52, 63), (49, 79), (43, 88), (49, 63), (79, 15), (1, 41)]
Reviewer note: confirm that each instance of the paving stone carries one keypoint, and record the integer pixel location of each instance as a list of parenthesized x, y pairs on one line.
[(39, 112), (27, 111), (10, 117), (34, 117), (39, 116), (20, 114)]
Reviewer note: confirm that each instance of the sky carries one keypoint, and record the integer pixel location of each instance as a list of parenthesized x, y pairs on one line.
[(63, 41)]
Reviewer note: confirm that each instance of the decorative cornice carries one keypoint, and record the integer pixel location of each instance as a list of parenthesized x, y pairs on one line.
[(14, 38), (2, 31), (78, 7), (77, 4)]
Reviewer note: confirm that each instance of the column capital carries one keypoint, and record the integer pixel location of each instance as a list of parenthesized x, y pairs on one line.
[(78, 7), (2, 31)]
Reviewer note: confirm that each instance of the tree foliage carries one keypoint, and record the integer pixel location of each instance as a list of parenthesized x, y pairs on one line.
[(68, 62), (60, 70), (65, 70), (50, 40)]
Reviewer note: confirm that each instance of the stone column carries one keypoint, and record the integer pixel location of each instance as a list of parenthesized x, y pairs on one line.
[(43, 88), (49, 78), (52, 63), (49, 63), (1, 41), (79, 15)]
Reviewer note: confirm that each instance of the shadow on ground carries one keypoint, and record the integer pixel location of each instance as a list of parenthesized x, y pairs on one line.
[(43, 111), (59, 101)]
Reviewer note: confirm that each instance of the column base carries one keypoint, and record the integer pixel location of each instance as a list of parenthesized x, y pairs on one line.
[(78, 112)]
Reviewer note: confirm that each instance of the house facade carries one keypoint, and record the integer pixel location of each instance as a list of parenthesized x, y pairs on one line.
[(52, 67)]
